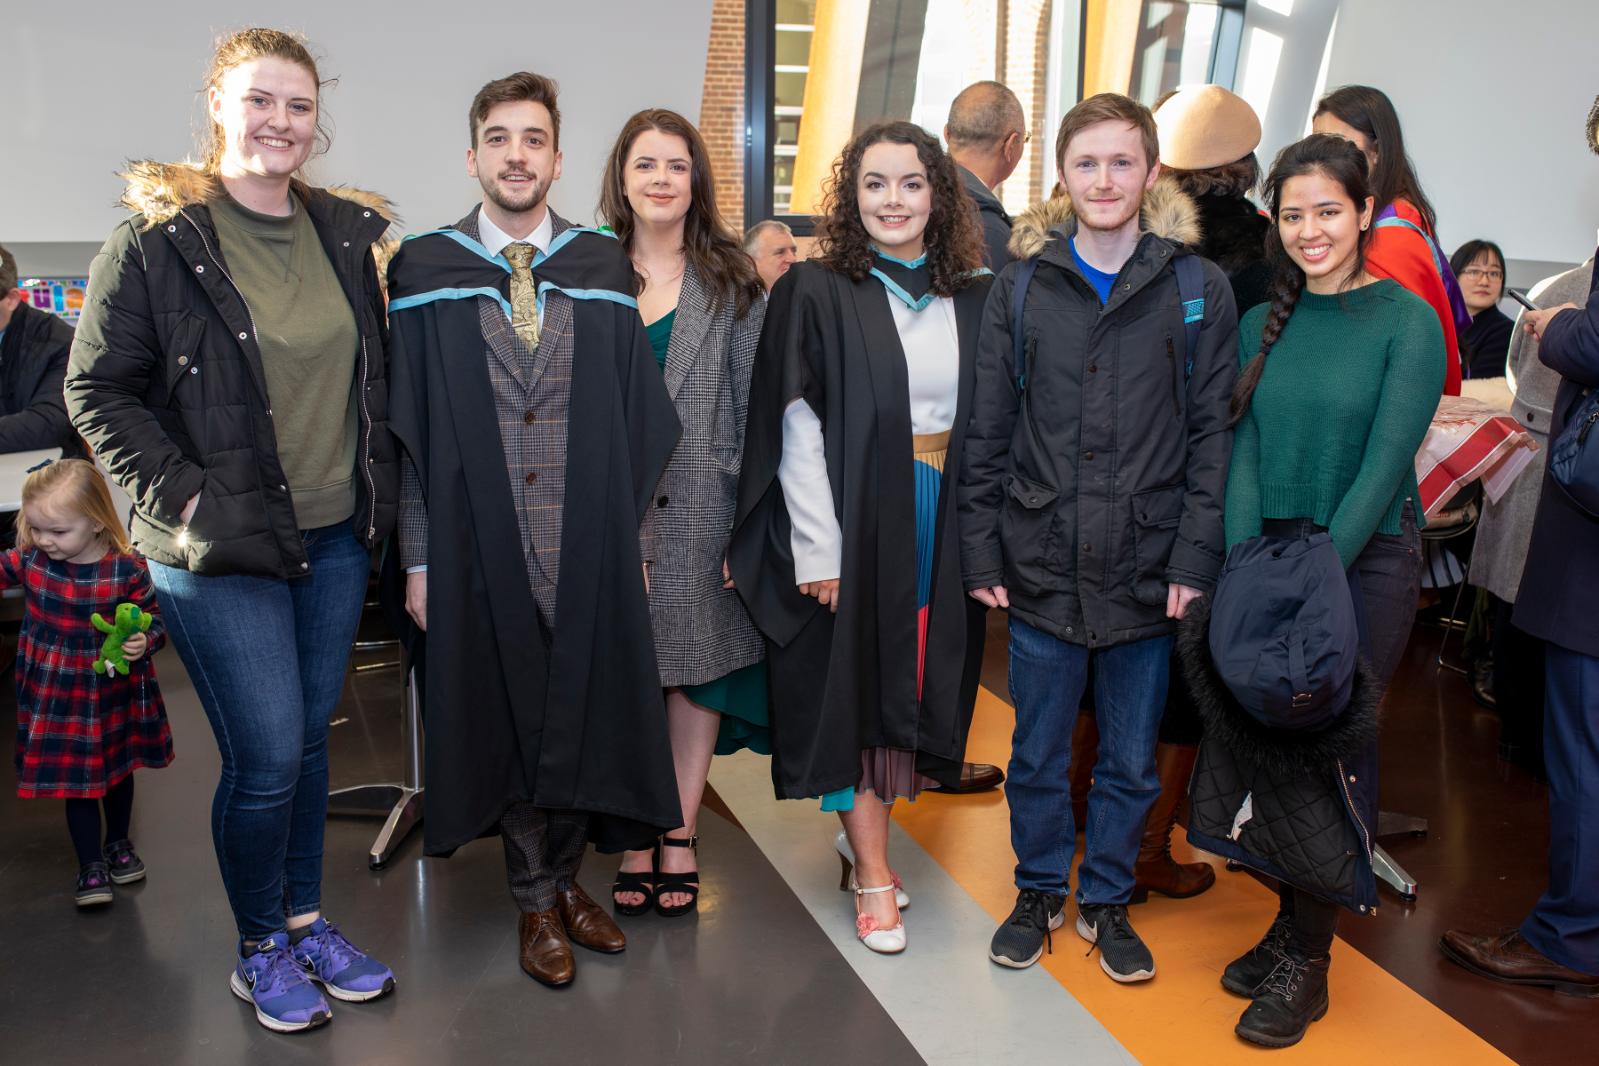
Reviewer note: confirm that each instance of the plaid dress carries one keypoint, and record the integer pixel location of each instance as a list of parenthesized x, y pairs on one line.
[(79, 733)]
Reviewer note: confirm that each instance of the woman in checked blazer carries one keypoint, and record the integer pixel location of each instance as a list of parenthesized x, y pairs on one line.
[(702, 306)]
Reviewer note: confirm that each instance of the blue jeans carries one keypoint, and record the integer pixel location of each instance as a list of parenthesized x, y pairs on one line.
[(1047, 678), (267, 658)]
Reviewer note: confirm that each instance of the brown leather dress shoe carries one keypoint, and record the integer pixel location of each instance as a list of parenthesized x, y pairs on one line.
[(546, 953), (587, 924), (976, 777), (1508, 957)]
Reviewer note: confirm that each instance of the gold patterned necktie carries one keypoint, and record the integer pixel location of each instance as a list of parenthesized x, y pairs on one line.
[(524, 293)]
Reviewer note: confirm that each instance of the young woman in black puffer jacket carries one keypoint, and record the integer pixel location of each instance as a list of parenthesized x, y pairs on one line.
[(229, 372)]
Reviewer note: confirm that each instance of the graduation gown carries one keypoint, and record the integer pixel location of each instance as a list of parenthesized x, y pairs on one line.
[(841, 683), (574, 720)]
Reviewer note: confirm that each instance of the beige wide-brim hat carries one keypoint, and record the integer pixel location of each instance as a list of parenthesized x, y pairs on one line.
[(1206, 126)]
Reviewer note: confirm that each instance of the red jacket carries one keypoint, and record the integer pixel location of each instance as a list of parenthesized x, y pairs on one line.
[(1400, 253)]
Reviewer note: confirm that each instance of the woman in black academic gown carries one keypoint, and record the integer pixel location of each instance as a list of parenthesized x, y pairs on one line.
[(844, 546)]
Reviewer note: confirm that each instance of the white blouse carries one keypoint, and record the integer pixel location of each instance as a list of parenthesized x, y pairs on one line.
[(932, 364)]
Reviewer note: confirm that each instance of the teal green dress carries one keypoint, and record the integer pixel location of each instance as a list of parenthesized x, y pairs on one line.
[(740, 697)]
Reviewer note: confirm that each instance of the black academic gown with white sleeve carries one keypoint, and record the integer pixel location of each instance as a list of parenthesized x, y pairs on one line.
[(845, 682), (572, 719)]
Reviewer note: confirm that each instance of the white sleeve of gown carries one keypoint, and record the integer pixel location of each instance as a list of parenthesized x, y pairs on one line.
[(816, 540)]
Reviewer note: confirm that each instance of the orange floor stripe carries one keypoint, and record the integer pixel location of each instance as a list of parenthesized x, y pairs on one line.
[(1183, 1015)]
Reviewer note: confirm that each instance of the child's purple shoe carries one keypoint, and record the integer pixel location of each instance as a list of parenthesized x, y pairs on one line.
[(126, 866), (94, 885)]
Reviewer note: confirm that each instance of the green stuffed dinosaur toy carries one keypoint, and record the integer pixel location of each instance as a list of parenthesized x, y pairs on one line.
[(129, 620)]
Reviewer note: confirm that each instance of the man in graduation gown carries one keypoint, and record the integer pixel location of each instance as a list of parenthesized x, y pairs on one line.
[(520, 368)]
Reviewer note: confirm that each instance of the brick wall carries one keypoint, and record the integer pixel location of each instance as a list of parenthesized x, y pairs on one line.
[(1026, 61), (722, 108)]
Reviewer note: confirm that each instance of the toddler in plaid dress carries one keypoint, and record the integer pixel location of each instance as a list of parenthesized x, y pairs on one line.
[(80, 735)]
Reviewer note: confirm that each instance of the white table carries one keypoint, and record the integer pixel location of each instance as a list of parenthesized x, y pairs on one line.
[(14, 470)]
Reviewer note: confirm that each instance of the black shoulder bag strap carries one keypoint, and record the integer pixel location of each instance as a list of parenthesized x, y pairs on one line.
[(1191, 291)]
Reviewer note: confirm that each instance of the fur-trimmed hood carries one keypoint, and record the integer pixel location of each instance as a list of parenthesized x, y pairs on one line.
[(1167, 212), (1276, 751), (158, 191)]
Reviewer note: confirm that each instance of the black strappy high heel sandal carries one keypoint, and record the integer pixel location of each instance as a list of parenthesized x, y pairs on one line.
[(645, 884), (688, 882)]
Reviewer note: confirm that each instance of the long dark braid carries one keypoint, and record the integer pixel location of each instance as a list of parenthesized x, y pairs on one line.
[(1344, 163)]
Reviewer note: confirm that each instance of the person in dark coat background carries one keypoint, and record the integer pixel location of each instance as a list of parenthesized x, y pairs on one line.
[(542, 700), (1208, 138), (1480, 268), (33, 365), (1558, 943), (986, 133), (844, 544)]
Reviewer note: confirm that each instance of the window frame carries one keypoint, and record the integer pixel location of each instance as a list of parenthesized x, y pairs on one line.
[(760, 93)]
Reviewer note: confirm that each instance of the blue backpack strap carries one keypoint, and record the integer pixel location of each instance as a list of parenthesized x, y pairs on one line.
[(1432, 245), (1457, 300), (1018, 303), (1191, 291)]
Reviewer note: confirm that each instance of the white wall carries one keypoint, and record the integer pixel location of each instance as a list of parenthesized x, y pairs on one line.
[(1493, 97), (1279, 66), (91, 84)]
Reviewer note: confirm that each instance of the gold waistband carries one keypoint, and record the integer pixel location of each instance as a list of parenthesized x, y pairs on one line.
[(922, 443)]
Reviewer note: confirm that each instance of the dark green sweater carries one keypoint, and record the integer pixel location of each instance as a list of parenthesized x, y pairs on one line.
[(309, 343), (1332, 433)]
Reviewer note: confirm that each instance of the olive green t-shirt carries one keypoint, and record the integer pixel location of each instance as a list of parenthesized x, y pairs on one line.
[(308, 340)]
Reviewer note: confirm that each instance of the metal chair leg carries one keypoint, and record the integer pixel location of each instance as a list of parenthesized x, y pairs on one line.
[(1449, 627), (1392, 874), (400, 801)]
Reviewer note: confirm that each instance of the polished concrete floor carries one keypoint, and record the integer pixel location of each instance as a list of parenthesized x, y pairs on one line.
[(752, 978), (767, 972)]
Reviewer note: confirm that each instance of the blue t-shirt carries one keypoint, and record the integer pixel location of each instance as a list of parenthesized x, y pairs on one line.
[(1101, 281)]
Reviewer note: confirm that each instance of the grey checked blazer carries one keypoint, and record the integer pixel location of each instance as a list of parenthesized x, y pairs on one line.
[(532, 392), (701, 629)]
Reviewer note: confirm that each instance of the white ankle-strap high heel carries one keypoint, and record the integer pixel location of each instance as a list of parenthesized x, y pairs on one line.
[(846, 878), (883, 941)]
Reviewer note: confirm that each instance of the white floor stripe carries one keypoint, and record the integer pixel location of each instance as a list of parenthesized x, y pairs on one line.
[(953, 1005)]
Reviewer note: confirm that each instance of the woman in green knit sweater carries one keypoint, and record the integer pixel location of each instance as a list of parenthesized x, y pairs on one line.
[(1341, 375)]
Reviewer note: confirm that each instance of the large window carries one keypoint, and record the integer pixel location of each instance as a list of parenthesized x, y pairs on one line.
[(820, 70)]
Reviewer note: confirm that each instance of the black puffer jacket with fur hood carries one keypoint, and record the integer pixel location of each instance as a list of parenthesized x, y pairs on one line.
[(165, 379)]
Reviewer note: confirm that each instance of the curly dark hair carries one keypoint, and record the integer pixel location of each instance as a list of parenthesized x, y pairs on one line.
[(1593, 126), (1229, 179), (954, 245)]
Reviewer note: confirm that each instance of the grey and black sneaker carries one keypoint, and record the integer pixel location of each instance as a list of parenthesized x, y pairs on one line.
[(1244, 974), (1121, 954), (1020, 940), (125, 865), (94, 886)]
